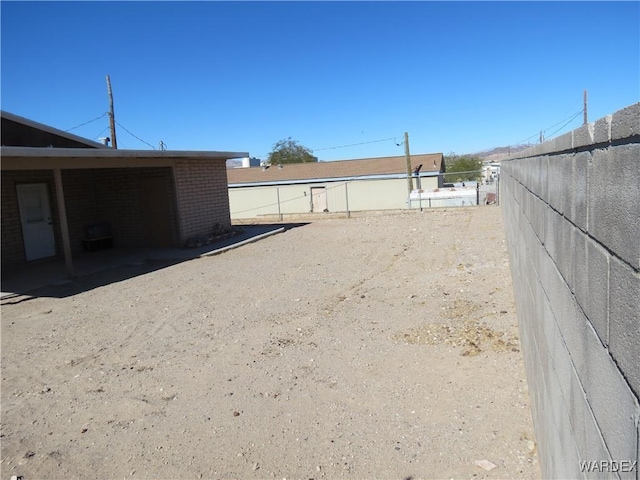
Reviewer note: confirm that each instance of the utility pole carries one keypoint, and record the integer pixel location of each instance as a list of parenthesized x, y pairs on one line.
[(407, 157), (585, 107), (112, 121)]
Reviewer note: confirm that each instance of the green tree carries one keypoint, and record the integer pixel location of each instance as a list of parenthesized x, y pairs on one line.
[(290, 151), (462, 168)]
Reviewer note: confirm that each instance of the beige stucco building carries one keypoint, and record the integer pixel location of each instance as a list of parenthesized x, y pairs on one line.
[(339, 186)]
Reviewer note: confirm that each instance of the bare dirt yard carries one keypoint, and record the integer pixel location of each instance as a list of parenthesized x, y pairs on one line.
[(382, 346)]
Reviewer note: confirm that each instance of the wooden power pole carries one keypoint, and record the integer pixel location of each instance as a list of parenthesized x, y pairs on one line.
[(112, 121), (407, 157), (585, 107)]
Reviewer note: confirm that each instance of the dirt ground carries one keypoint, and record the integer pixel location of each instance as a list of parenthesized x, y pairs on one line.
[(382, 346)]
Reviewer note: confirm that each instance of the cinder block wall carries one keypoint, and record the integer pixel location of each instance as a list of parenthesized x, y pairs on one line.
[(201, 192), (572, 216)]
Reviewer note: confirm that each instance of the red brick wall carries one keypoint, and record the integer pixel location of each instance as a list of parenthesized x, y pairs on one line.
[(203, 201)]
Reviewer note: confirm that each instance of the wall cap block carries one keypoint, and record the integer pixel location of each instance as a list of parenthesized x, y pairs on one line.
[(626, 122)]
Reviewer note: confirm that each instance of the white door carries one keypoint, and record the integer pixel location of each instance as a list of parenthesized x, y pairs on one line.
[(318, 199), (35, 216)]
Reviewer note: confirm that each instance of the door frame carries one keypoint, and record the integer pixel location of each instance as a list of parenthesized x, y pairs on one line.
[(47, 243), (318, 195)]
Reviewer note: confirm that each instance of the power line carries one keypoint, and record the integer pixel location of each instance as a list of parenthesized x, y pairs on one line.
[(133, 135), (87, 123), (567, 120), (349, 145), (570, 120), (355, 144), (572, 117), (103, 130)]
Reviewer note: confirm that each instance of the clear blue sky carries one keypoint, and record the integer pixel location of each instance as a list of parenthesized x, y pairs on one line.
[(239, 76)]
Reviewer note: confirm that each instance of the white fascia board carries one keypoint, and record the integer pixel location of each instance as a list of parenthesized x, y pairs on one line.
[(329, 180)]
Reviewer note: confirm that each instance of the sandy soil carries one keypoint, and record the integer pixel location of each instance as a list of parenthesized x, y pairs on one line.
[(382, 346)]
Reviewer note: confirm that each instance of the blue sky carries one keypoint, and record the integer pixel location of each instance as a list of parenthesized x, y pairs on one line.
[(239, 76)]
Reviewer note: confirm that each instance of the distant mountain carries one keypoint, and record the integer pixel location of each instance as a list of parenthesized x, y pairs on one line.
[(499, 153)]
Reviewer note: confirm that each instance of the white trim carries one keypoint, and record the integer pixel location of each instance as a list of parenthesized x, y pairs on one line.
[(384, 176)]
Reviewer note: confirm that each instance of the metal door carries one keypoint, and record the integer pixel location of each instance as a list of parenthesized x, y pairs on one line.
[(35, 217)]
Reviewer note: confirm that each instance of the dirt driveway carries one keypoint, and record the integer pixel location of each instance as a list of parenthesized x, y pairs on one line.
[(381, 346)]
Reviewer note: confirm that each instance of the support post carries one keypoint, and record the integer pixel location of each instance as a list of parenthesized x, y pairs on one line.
[(278, 195), (64, 226), (346, 196)]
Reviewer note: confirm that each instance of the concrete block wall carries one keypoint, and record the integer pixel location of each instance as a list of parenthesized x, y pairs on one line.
[(572, 218), (202, 198)]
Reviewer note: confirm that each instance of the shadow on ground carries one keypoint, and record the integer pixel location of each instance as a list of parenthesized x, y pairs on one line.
[(96, 269)]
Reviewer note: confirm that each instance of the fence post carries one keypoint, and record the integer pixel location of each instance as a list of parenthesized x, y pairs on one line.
[(278, 194), (346, 195)]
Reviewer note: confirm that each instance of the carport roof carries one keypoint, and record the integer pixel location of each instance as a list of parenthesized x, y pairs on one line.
[(432, 164), (36, 158)]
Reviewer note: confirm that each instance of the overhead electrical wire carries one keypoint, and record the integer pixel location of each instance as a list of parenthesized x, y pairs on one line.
[(354, 144), (350, 145), (103, 130), (133, 135), (87, 123), (568, 122)]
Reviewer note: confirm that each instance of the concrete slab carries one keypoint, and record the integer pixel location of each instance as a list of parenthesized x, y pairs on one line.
[(25, 279)]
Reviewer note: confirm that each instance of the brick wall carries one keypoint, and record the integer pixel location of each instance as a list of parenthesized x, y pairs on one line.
[(201, 190), (572, 216), (91, 196), (119, 202), (80, 202)]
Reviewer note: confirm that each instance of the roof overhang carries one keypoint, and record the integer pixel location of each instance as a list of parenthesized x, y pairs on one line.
[(51, 130), (32, 158)]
